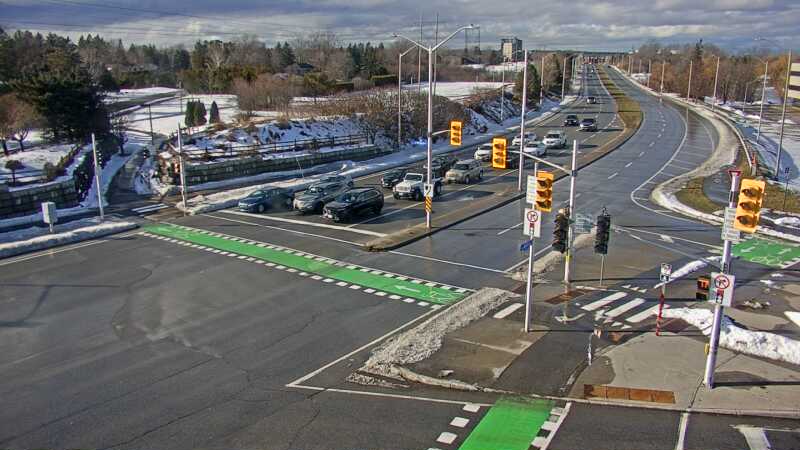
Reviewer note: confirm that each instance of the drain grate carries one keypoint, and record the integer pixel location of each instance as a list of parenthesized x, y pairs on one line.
[(623, 393)]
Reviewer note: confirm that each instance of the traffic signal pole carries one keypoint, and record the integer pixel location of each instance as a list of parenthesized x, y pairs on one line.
[(711, 360), (570, 235), (522, 122)]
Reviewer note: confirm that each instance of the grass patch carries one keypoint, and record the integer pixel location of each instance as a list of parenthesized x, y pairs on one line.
[(692, 195), (628, 109)]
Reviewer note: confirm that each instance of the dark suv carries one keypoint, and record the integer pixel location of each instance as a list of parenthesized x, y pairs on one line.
[(263, 199), (571, 120), (353, 203), (441, 164), (392, 177)]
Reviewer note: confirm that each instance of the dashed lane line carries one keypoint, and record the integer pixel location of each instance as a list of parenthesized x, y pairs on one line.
[(305, 223)]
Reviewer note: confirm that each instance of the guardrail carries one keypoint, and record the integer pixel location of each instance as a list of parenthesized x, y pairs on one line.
[(238, 151)]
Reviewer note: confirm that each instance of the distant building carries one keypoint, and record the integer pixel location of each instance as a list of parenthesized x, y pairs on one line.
[(511, 49)]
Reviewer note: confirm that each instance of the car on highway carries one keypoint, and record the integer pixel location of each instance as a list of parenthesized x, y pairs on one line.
[(529, 137), (555, 139), (571, 120), (588, 125), (337, 179), (353, 203), (412, 187), (394, 176), (313, 199), (591, 100), (465, 171), (264, 199), (441, 164), (484, 152), (535, 149)]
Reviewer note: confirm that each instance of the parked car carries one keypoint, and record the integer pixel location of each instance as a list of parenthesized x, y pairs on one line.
[(264, 199), (529, 137), (588, 125), (315, 197), (465, 171), (535, 149), (394, 176), (412, 187), (591, 100), (571, 120), (355, 202), (555, 139), (484, 152), (337, 179)]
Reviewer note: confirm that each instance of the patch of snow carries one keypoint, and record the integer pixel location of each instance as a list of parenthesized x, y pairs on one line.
[(733, 337), (68, 237), (688, 268), (788, 221)]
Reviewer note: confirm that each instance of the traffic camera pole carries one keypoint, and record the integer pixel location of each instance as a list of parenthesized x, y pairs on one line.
[(571, 228), (529, 289), (711, 361), (522, 122)]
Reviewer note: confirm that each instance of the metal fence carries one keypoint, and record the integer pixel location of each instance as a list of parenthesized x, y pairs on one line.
[(229, 150)]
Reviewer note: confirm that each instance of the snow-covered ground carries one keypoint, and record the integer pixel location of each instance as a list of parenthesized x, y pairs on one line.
[(167, 115), (132, 94), (458, 90), (72, 235), (508, 67), (33, 160)]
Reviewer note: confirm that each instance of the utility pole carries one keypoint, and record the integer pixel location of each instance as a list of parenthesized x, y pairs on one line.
[(783, 117), (572, 215), (649, 72), (152, 135), (711, 360), (541, 84), (503, 91), (563, 77), (716, 77), (97, 170), (661, 89), (763, 91), (522, 122), (689, 91)]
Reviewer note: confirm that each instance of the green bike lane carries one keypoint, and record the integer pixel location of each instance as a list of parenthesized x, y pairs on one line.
[(767, 252), (510, 424), (328, 270)]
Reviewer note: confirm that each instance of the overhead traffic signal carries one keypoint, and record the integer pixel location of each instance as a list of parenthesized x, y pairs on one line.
[(748, 208), (544, 191), (560, 233), (455, 132), (603, 234), (499, 153)]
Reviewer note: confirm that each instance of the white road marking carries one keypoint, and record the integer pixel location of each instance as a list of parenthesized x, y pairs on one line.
[(652, 144), (682, 431), (624, 308), (604, 301), (301, 233), (636, 318), (459, 422), (447, 262), (666, 238), (629, 164), (613, 175), (755, 437), (510, 228), (505, 312), (794, 316), (446, 438), (525, 261), (641, 153), (544, 444), (149, 208), (472, 407), (303, 222)]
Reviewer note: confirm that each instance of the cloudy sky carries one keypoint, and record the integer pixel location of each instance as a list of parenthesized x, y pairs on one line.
[(578, 24)]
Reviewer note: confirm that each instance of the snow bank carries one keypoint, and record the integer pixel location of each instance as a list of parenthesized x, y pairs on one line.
[(688, 268), (68, 237), (733, 337)]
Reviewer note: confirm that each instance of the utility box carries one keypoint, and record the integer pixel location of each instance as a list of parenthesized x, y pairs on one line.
[(49, 214)]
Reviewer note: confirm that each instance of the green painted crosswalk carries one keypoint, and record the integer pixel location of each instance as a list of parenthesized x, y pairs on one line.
[(510, 424), (768, 253), (381, 283)]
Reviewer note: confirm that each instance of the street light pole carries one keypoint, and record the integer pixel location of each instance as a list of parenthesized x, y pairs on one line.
[(431, 52), (783, 116), (572, 215), (563, 77), (649, 72), (763, 93), (689, 91), (502, 90), (400, 97), (716, 77), (522, 123), (97, 169), (661, 89)]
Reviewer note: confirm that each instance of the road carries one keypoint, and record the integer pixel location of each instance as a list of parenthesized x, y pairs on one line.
[(186, 335)]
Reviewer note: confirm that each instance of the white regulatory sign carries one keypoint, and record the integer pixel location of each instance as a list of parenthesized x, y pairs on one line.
[(729, 233), (530, 194), (720, 288), (428, 190), (666, 271), (532, 223)]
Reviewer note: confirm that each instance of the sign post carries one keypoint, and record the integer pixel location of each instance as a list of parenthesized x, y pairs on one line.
[(527, 220), (666, 272)]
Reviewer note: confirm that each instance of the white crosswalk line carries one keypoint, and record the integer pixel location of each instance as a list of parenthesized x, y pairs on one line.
[(604, 301), (624, 308), (636, 318)]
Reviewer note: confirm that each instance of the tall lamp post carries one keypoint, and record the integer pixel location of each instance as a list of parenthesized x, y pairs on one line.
[(431, 52), (783, 111), (400, 96)]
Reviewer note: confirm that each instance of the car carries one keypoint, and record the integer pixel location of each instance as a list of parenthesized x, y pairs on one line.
[(529, 137), (412, 187), (555, 139), (317, 195), (465, 172), (484, 152), (571, 120), (441, 164), (264, 199), (355, 202), (588, 125), (394, 176), (535, 149), (337, 179), (591, 100)]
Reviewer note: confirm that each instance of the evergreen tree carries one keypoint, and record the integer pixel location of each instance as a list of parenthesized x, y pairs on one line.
[(189, 117), (534, 85), (107, 82), (199, 114), (214, 114)]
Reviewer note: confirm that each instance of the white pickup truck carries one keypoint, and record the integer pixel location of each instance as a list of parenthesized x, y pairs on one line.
[(412, 187)]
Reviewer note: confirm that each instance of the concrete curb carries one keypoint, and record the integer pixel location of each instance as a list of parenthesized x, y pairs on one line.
[(60, 239)]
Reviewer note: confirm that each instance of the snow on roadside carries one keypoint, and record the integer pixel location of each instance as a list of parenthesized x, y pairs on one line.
[(68, 237), (688, 268), (733, 337)]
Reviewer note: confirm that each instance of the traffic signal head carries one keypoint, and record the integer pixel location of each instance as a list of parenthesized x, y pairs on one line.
[(544, 191), (499, 154), (455, 132), (560, 233), (748, 208), (603, 234)]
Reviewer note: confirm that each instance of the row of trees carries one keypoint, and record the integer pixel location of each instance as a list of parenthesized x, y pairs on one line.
[(195, 115)]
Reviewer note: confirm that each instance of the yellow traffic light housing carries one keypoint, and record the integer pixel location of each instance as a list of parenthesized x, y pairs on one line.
[(748, 207), (499, 153), (544, 191), (455, 132)]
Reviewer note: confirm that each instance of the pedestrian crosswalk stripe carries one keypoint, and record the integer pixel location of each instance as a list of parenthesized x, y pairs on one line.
[(636, 318), (624, 308), (604, 301)]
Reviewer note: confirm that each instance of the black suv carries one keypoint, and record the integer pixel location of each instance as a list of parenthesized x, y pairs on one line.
[(353, 203), (571, 120), (392, 177), (441, 164)]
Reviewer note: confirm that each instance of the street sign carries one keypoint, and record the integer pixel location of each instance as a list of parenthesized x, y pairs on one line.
[(525, 245), (720, 289), (583, 224), (532, 223), (729, 232), (794, 82), (666, 271), (530, 194), (428, 190)]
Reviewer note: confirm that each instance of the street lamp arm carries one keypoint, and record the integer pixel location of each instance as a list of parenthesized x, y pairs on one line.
[(404, 53), (412, 41), (452, 35)]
